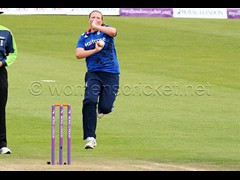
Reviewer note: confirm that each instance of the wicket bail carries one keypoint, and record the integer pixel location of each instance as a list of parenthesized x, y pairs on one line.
[(61, 109)]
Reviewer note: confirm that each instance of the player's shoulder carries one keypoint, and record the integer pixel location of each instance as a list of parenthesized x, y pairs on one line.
[(83, 33)]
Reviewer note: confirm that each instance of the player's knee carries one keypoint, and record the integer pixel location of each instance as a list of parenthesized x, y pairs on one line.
[(89, 101)]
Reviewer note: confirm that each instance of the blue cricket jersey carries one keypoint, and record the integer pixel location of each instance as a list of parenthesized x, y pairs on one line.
[(103, 61)]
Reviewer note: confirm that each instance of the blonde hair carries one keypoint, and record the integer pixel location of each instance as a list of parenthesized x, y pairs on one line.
[(97, 12)]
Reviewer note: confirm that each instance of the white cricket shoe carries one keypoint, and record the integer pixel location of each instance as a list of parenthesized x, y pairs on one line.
[(5, 150), (100, 115), (91, 143)]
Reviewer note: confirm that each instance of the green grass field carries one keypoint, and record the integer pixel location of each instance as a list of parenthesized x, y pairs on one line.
[(178, 100)]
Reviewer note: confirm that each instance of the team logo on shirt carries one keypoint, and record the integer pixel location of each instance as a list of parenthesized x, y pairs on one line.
[(93, 41)]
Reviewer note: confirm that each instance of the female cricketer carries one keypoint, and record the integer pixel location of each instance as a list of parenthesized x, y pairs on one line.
[(102, 76)]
